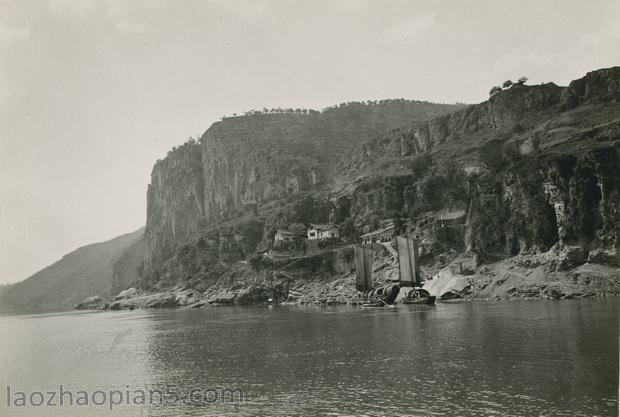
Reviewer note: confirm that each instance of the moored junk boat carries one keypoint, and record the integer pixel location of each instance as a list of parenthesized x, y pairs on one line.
[(370, 296), (381, 297), (418, 296), (409, 273)]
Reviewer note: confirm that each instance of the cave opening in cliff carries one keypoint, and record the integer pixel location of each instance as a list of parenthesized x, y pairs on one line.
[(590, 200)]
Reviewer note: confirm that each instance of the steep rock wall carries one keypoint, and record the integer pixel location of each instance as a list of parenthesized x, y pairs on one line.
[(175, 201), (244, 164), (528, 172), (252, 160)]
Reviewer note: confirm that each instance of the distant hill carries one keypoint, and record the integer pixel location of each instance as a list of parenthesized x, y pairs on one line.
[(82, 273), (4, 288)]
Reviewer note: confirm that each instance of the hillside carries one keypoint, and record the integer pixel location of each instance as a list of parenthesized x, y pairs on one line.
[(531, 167), (531, 170), (240, 164), (244, 164), (514, 196), (82, 273)]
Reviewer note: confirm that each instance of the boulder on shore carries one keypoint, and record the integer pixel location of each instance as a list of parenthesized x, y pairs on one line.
[(92, 303), (161, 300), (128, 293)]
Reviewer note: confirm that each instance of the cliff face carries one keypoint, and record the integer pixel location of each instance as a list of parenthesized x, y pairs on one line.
[(504, 109), (256, 159), (243, 164), (531, 169), (175, 201), (597, 86), (525, 170), (522, 187), (584, 191)]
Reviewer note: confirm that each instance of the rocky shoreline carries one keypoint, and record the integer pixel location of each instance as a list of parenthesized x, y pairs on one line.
[(555, 274)]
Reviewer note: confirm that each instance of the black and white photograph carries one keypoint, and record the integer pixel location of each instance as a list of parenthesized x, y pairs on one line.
[(374, 208)]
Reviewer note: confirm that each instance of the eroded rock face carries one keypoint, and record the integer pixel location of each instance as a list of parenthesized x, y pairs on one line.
[(175, 201), (524, 206), (566, 199), (597, 86), (243, 163), (584, 191), (242, 169), (531, 168), (528, 172), (503, 109)]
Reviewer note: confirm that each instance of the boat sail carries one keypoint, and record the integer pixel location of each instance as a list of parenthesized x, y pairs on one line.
[(364, 258), (408, 262), (409, 272)]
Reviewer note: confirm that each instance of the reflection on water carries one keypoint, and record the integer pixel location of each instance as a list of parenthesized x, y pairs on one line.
[(486, 358)]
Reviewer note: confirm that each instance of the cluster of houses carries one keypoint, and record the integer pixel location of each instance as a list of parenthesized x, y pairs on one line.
[(385, 233)]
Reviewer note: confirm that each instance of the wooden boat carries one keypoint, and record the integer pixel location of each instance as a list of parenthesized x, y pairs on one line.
[(409, 277), (418, 296), (409, 273), (381, 297), (371, 296)]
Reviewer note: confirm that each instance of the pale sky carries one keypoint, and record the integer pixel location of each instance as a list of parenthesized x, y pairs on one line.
[(93, 92)]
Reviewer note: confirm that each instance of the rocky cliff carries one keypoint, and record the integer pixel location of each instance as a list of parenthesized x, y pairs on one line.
[(243, 168), (532, 167), (518, 196), (533, 170)]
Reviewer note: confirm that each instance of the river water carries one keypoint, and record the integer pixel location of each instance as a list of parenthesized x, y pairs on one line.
[(521, 358)]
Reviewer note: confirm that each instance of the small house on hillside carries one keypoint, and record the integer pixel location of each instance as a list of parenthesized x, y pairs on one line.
[(282, 236), (323, 231), (384, 234)]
